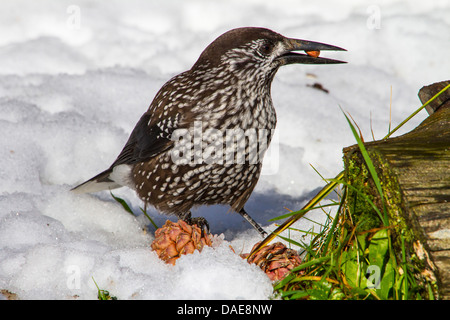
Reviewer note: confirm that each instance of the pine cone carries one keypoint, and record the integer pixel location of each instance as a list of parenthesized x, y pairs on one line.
[(174, 239), (276, 260)]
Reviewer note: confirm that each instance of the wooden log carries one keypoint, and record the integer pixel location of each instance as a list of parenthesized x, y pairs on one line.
[(414, 170)]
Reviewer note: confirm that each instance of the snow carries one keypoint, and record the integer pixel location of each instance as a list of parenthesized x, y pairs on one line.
[(75, 78)]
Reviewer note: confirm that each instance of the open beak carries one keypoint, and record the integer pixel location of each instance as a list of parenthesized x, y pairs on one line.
[(312, 50)]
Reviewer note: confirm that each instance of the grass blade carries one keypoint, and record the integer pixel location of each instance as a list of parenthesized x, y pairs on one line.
[(416, 112), (148, 217), (370, 167), (128, 209), (319, 197), (123, 203)]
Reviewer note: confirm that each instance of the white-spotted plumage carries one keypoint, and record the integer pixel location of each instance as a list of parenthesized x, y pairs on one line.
[(203, 138)]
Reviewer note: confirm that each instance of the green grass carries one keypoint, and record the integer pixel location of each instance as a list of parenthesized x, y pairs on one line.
[(103, 294), (347, 260), (342, 262), (128, 209)]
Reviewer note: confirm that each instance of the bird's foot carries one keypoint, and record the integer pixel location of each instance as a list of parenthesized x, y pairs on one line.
[(199, 221)]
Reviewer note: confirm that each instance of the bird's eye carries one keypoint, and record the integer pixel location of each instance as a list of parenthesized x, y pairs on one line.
[(266, 48)]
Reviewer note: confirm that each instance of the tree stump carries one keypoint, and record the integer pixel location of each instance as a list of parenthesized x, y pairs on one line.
[(414, 170)]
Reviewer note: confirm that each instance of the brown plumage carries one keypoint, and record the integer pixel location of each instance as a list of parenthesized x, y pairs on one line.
[(203, 138)]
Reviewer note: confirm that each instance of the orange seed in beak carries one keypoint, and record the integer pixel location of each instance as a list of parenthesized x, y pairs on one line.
[(314, 54)]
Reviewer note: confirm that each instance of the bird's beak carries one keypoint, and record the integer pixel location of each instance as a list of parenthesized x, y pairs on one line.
[(312, 50)]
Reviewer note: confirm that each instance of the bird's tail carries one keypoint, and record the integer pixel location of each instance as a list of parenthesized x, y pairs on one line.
[(115, 177), (100, 182)]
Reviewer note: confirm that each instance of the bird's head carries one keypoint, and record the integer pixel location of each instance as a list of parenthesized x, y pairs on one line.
[(261, 51)]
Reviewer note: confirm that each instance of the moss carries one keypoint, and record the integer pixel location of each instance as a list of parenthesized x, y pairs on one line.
[(392, 197), (362, 212), (360, 196)]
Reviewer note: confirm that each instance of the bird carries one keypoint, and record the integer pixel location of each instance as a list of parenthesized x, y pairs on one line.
[(203, 137)]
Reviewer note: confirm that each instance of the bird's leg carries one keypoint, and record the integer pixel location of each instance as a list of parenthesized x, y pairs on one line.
[(255, 225), (199, 221)]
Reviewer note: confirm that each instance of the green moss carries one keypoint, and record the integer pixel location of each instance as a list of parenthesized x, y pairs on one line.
[(358, 176), (392, 197), (360, 196)]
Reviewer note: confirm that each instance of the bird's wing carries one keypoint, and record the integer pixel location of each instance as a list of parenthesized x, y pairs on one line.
[(148, 139)]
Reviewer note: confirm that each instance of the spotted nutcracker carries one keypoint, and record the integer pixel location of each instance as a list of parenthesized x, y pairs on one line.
[(203, 138)]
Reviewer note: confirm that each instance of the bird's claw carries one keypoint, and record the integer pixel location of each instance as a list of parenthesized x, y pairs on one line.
[(201, 223), (198, 221)]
